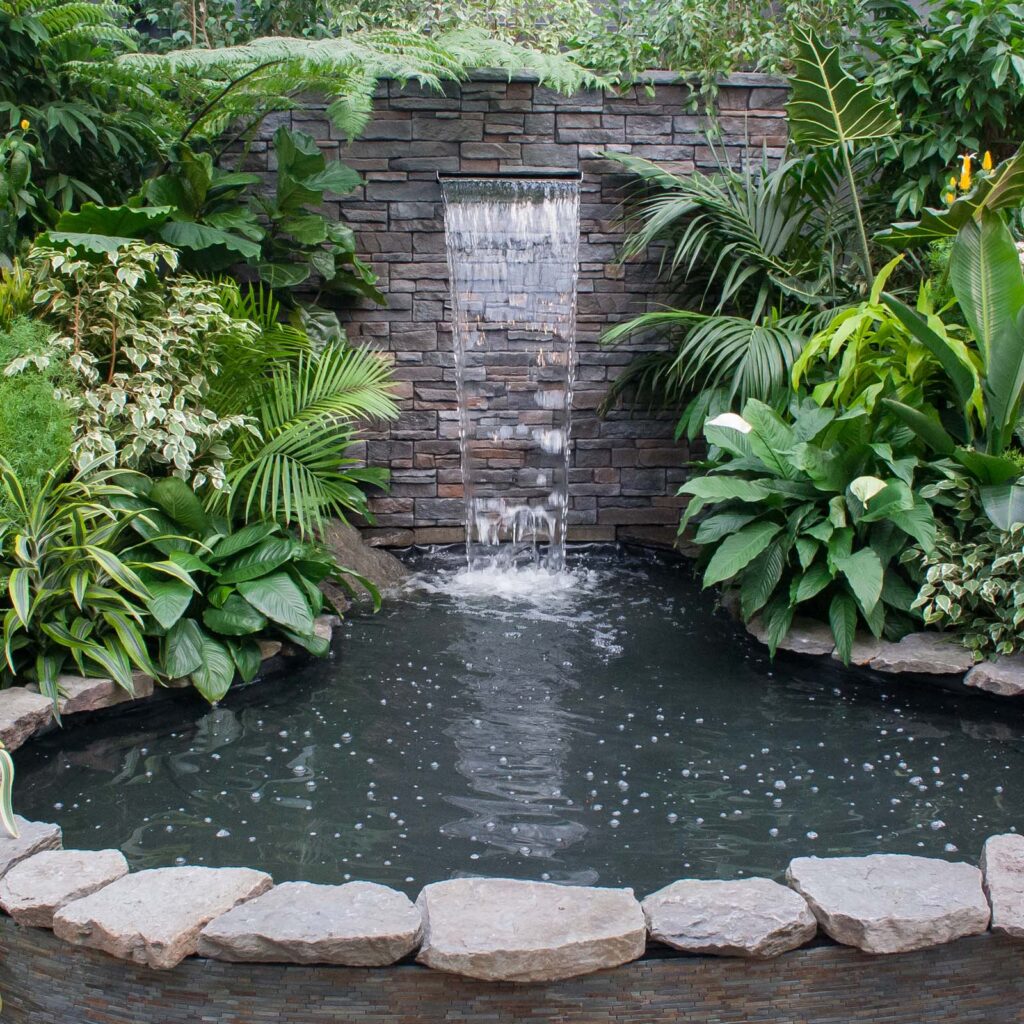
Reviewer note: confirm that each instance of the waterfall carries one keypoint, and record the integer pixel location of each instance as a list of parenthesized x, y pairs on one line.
[(513, 249)]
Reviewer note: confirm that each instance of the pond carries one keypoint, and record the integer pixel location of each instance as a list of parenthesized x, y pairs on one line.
[(607, 726)]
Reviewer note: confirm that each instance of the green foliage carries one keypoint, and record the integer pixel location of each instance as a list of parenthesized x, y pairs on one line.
[(810, 514), (69, 594), (957, 75), (6, 793), (139, 348), (230, 587), (292, 467), (23, 207), (975, 588), (35, 422)]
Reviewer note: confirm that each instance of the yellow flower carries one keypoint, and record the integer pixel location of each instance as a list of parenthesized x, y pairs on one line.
[(950, 198), (952, 182), (986, 161), (24, 125), (965, 173)]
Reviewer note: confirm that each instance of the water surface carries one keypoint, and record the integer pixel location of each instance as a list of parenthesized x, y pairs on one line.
[(618, 731)]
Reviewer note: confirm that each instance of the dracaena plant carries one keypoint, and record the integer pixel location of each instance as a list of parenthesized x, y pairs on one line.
[(233, 587), (71, 590), (985, 389), (810, 515)]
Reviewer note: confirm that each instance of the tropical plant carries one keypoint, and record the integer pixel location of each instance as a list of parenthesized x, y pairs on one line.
[(71, 590), (987, 280), (304, 404), (36, 424), (7, 818), (811, 515), (139, 347), (233, 587), (975, 588), (955, 69), (23, 207)]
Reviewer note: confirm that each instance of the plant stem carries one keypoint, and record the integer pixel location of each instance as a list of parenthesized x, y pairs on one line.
[(868, 269)]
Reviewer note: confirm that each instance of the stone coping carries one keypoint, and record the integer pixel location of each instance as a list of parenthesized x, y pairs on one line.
[(655, 76), (497, 929)]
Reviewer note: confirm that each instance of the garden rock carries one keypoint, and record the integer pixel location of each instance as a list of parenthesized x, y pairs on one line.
[(380, 567), (1004, 676), (154, 917), (1002, 863), (751, 917), (32, 891), (95, 694), (359, 924), (891, 903), (22, 712), (497, 929), (922, 653), (805, 636), (33, 837)]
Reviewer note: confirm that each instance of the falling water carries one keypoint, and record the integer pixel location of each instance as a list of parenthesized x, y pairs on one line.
[(512, 257)]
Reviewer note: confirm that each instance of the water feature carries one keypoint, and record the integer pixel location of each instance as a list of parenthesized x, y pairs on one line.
[(512, 249), (621, 731)]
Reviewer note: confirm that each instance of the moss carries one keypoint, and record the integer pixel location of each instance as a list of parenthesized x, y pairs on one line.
[(35, 424)]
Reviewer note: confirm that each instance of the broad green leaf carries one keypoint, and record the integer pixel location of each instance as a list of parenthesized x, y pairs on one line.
[(716, 527), (925, 424), (168, 601), (126, 221), (236, 617), (318, 646), (247, 658), (828, 106), (778, 617), (720, 488), (258, 561), (1004, 504), (917, 521), (987, 469), (279, 598), (842, 617), (761, 580), (738, 550), (246, 537), (215, 674), (771, 439), (182, 649), (806, 550), (183, 234), (812, 582), (174, 497), (864, 572)]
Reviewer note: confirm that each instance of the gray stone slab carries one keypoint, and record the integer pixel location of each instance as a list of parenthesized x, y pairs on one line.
[(359, 924), (891, 903), (805, 636), (749, 917), (22, 712), (923, 653), (1002, 864), (33, 837), (154, 917), (498, 929), (34, 890), (1004, 676)]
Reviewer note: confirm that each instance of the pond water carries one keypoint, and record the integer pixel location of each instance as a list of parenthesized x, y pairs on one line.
[(614, 729)]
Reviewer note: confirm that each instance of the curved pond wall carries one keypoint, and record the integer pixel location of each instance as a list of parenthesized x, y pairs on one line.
[(44, 981), (625, 467)]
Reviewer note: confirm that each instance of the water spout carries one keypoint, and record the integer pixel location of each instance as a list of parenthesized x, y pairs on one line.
[(513, 247)]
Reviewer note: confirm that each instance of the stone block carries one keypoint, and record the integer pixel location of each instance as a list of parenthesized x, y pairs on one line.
[(22, 712), (1002, 865), (33, 837)]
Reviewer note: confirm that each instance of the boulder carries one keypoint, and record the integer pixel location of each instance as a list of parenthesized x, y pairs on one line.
[(752, 917), (154, 917), (1002, 864), (497, 929), (32, 891), (33, 837), (891, 903), (22, 712), (805, 636), (87, 694), (380, 567), (924, 654), (359, 924), (1004, 676)]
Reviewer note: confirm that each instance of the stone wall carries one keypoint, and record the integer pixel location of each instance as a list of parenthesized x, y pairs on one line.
[(978, 980), (626, 468)]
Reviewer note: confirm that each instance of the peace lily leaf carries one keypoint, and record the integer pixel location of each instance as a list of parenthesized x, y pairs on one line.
[(1004, 504), (279, 598), (168, 600), (739, 550), (214, 676), (863, 571), (183, 649), (236, 617), (864, 488), (842, 617)]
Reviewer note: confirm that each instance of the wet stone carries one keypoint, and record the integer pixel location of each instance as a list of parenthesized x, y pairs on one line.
[(90, 694), (891, 903), (32, 891), (1004, 676), (805, 636), (497, 929), (22, 712), (33, 837), (360, 924), (750, 917), (1002, 864), (924, 654), (154, 917)]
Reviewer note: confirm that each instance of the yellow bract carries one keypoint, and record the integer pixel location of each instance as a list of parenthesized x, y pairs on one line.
[(24, 125), (986, 161), (965, 173)]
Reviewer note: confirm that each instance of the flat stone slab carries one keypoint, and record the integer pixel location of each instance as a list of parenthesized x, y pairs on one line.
[(497, 929), (33, 837), (32, 891), (891, 903), (805, 636), (359, 924), (864, 648), (751, 917), (924, 654), (22, 712), (94, 694), (1003, 676), (1002, 864), (154, 917)]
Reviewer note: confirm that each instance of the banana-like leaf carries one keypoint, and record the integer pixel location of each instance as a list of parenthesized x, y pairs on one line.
[(1004, 504), (828, 106)]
